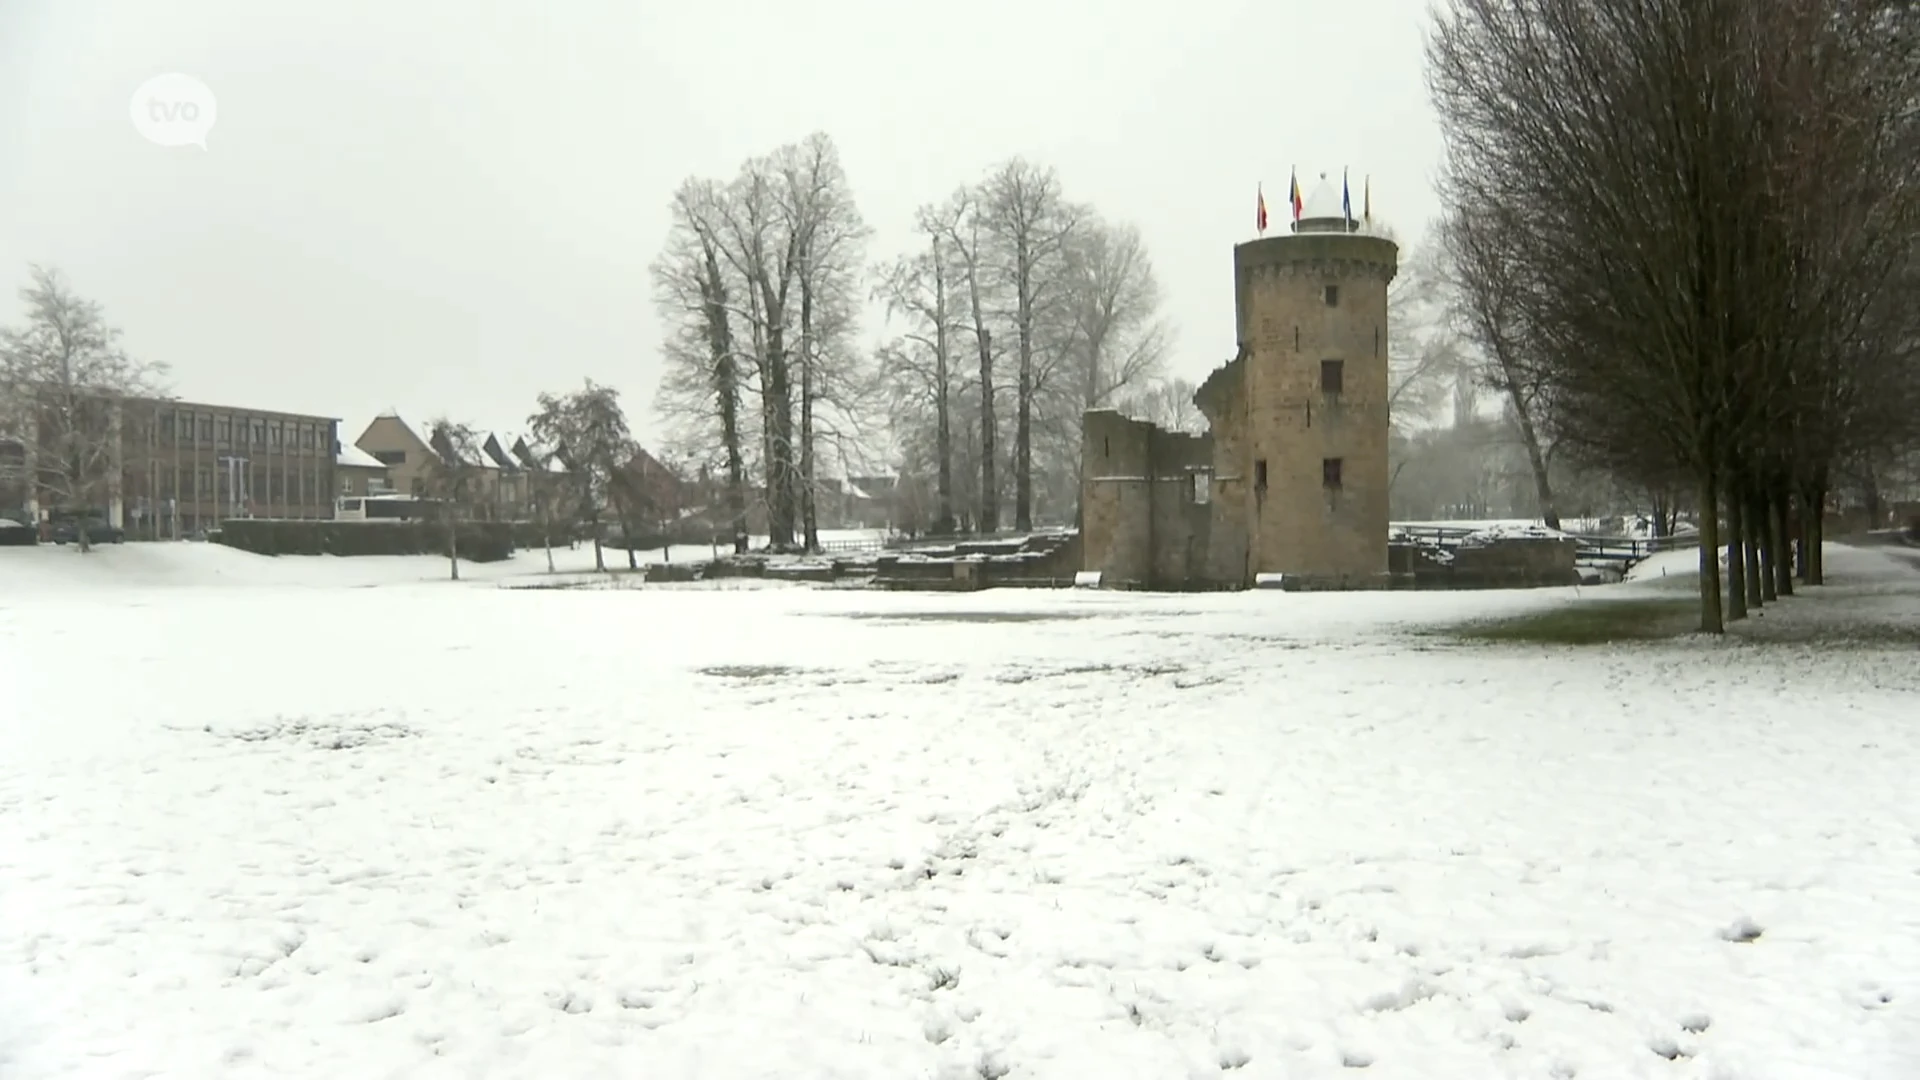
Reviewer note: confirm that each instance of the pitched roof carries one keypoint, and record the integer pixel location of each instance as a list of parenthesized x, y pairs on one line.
[(353, 457)]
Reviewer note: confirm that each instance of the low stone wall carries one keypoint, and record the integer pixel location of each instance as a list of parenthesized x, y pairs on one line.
[(1042, 561)]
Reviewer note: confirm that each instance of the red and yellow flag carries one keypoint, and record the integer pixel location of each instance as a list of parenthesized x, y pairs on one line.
[(1260, 210), (1293, 195)]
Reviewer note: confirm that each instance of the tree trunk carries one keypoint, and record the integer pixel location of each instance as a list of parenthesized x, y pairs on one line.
[(1870, 493), (809, 505), (989, 521), (1782, 513), (1817, 529), (1760, 527), (942, 406), (1536, 461), (453, 547), (1750, 529), (1023, 435), (1710, 614), (726, 392), (546, 528), (1736, 552)]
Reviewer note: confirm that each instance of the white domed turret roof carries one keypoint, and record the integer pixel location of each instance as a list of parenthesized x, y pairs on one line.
[(1324, 202)]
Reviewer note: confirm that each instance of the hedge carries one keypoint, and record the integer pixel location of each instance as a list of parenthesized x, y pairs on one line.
[(480, 541)]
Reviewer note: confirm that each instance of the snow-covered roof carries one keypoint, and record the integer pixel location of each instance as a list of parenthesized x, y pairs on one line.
[(352, 457)]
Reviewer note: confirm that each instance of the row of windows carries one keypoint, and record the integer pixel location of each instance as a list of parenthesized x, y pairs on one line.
[(1202, 491), (258, 484), (185, 426), (1330, 470)]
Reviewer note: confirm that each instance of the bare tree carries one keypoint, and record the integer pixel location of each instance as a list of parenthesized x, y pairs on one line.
[(1029, 224), (1112, 305), (1700, 201), (702, 389), (924, 292), (818, 208), (453, 481), (959, 220), (1486, 298), (64, 380), (1166, 403)]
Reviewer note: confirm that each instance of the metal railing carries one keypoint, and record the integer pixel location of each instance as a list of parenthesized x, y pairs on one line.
[(1623, 550)]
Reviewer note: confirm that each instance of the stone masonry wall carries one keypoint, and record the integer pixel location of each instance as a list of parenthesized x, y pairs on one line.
[(1141, 522), (1298, 525)]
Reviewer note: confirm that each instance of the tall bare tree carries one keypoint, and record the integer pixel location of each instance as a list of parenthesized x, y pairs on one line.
[(1029, 224), (64, 380), (701, 392), (818, 208), (959, 220), (1485, 297), (923, 297)]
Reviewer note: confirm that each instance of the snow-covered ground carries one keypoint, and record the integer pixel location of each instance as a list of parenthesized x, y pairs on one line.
[(295, 828)]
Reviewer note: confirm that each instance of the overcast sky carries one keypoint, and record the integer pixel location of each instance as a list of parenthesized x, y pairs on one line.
[(447, 206)]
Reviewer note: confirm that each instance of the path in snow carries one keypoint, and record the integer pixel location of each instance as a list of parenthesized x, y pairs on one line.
[(432, 831)]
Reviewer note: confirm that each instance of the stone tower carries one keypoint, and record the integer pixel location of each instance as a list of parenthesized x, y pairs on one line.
[(1300, 428)]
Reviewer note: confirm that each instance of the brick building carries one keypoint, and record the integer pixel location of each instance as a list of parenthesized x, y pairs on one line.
[(188, 465), (174, 468), (1291, 478)]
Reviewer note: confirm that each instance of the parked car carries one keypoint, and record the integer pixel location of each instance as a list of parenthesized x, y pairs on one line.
[(14, 534), (98, 532)]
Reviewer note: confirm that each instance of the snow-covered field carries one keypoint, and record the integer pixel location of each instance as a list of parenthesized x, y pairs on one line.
[(260, 819)]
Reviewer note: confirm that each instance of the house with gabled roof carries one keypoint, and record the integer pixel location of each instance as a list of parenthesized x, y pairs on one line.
[(394, 443)]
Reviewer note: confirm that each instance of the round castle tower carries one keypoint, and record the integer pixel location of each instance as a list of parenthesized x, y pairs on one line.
[(1308, 434)]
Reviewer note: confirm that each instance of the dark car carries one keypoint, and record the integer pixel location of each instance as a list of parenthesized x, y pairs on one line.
[(98, 532)]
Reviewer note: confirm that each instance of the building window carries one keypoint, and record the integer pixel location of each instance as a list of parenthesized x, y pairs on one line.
[(306, 437), (346, 484), (206, 429), (1332, 295), (1106, 450), (224, 428), (1376, 341), (1260, 474), (166, 426), (202, 480), (1202, 486), (259, 433), (1330, 473), (1333, 376), (1296, 339)]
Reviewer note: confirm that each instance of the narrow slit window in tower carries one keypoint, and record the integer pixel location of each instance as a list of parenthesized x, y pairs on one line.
[(1330, 473), (1260, 474), (1202, 486), (1333, 295), (1296, 339)]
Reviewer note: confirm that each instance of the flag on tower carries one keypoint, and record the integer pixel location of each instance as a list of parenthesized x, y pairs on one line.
[(1346, 200), (1366, 200), (1293, 193), (1260, 209)]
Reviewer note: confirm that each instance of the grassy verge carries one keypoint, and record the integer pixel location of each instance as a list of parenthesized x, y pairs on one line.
[(1587, 622)]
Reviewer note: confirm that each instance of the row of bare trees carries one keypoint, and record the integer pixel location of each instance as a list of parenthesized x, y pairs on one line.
[(1684, 230), (1018, 309)]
